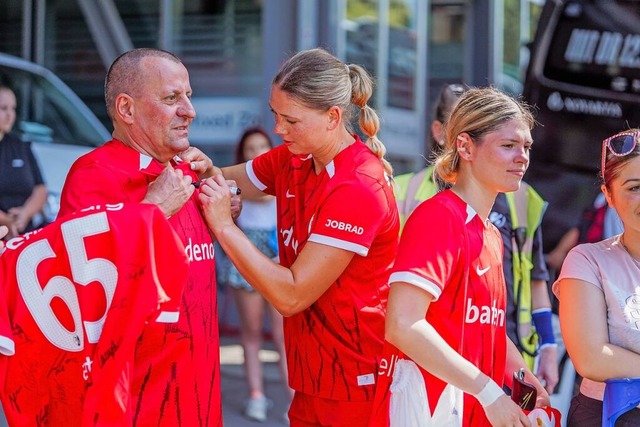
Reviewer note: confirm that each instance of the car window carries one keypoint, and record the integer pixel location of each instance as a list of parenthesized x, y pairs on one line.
[(46, 114), (596, 44), (54, 119)]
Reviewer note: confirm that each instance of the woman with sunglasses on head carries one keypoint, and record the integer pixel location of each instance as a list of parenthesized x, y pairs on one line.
[(598, 291)]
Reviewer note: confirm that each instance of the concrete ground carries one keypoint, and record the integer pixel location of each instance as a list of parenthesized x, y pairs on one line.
[(234, 387)]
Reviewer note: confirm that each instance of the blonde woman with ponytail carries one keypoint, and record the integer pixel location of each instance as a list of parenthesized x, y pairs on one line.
[(446, 354), (337, 233)]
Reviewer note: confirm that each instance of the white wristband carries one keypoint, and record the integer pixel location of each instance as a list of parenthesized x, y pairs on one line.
[(489, 393)]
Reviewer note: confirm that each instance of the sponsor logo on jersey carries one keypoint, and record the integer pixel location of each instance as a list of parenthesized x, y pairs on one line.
[(386, 367), (18, 241), (339, 225), (482, 271), (288, 240), (484, 314), (199, 251)]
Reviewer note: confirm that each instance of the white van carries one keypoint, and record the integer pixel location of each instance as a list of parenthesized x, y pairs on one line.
[(57, 122)]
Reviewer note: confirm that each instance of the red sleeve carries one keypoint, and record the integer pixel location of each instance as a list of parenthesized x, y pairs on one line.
[(430, 247), (264, 169), (353, 229), (89, 185)]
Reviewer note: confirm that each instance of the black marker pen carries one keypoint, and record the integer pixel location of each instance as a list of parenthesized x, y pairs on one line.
[(233, 190)]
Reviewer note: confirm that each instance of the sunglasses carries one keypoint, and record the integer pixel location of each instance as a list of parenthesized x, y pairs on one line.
[(620, 144)]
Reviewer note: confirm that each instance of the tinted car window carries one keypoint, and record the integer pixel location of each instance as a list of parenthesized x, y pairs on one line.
[(584, 79), (597, 44), (50, 115), (56, 115)]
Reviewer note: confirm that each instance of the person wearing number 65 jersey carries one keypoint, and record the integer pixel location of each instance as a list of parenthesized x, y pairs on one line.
[(148, 97), (76, 296)]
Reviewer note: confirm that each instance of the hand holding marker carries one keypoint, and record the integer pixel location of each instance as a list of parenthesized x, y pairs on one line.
[(186, 169), (234, 190)]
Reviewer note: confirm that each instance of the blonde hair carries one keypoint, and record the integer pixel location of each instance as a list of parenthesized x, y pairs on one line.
[(479, 111), (320, 81)]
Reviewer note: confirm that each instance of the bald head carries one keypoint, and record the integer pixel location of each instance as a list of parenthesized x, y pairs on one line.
[(125, 74)]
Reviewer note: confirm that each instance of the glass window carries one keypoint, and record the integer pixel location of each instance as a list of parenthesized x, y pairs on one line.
[(402, 54), (361, 27), (447, 27), (362, 35), (11, 27), (518, 18), (220, 41), (595, 52), (47, 112)]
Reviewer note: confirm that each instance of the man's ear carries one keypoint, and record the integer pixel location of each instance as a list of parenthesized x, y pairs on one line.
[(334, 117), (464, 145), (124, 108)]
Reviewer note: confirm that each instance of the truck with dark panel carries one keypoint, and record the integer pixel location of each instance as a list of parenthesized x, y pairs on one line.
[(583, 77)]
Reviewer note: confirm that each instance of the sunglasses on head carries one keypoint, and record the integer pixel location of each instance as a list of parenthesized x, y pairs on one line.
[(620, 144)]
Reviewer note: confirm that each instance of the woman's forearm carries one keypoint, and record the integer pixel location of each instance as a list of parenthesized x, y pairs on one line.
[(606, 362), (424, 345)]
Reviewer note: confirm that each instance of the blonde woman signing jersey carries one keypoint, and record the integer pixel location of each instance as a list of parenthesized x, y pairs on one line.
[(337, 229)]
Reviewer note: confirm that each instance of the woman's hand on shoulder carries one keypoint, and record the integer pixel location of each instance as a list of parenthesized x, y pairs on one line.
[(200, 162)]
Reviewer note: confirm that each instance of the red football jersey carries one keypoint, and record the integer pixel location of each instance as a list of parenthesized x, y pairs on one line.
[(332, 346), (77, 295), (177, 376), (449, 252)]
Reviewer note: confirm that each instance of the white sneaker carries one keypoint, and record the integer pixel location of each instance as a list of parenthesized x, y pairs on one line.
[(256, 408)]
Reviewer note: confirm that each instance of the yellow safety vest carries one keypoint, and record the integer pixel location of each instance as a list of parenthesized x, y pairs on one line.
[(412, 189), (526, 209)]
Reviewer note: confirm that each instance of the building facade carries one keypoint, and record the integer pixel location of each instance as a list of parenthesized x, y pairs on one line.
[(233, 48)]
